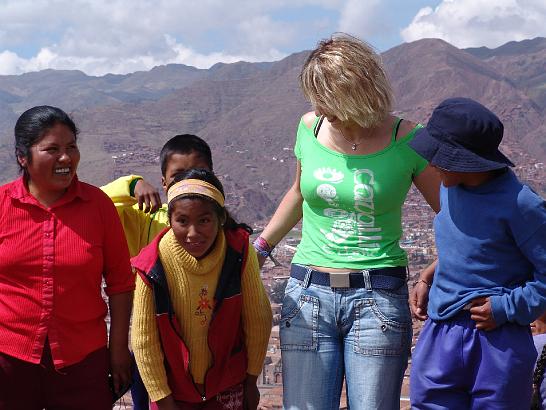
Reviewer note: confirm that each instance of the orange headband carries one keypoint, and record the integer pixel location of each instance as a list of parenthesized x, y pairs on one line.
[(195, 186)]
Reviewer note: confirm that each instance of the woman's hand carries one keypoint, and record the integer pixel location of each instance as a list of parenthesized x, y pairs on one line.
[(147, 196), (419, 299), (120, 358), (120, 367), (167, 403), (251, 393), (480, 312)]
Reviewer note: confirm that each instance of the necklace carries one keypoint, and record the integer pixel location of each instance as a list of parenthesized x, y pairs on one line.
[(354, 145)]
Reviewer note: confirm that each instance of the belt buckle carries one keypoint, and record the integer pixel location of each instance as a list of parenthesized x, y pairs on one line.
[(340, 279)]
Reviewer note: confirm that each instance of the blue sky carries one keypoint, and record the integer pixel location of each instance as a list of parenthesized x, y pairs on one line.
[(121, 36)]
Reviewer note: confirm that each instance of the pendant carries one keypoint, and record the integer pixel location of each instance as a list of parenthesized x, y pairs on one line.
[(353, 147)]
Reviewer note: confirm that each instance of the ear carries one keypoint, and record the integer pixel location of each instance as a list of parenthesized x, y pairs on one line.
[(23, 161), (164, 184)]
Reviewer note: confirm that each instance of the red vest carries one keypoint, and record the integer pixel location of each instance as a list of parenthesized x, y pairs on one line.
[(225, 335)]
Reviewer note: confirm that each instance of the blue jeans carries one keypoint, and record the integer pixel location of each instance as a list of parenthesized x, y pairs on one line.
[(328, 334)]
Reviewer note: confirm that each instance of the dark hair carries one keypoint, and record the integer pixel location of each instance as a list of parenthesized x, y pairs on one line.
[(33, 124), (538, 376), (184, 144), (207, 176)]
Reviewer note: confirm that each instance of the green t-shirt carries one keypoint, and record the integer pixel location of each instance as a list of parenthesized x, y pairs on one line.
[(352, 204)]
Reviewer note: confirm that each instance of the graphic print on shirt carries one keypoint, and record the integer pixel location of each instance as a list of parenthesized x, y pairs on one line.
[(358, 222), (204, 306), (231, 399)]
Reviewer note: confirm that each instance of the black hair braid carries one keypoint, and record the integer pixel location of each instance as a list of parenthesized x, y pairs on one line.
[(538, 376), (232, 224)]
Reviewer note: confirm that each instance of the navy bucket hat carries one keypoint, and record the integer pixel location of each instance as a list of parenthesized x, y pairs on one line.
[(462, 136)]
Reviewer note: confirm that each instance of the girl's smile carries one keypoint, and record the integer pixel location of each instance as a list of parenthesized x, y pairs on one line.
[(195, 225)]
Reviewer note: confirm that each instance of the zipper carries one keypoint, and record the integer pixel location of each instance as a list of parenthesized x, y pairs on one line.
[(202, 395)]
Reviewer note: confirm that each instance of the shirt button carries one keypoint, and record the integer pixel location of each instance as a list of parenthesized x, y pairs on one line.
[(47, 234), (49, 258)]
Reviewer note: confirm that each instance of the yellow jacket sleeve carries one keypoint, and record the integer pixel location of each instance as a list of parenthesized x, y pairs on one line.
[(119, 191), (140, 227), (146, 343), (256, 314)]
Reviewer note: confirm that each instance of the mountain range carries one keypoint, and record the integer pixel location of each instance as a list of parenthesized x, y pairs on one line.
[(249, 112)]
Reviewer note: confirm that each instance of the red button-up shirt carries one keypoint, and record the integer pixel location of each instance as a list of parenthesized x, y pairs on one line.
[(52, 262)]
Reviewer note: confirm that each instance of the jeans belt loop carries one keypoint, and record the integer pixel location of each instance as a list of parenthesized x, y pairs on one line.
[(367, 280), (307, 279)]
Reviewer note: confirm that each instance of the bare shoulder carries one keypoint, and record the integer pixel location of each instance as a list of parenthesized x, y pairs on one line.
[(309, 119), (406, 127)]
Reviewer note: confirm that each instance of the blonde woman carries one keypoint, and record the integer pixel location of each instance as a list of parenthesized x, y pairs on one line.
[(345, 312)]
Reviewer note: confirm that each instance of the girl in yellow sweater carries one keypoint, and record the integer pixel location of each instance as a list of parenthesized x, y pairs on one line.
[(201, 319)]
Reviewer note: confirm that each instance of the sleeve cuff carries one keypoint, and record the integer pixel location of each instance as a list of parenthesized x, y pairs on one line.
[(132, 185), (158, 395), (254, 370), (114, 290), (497, 310)]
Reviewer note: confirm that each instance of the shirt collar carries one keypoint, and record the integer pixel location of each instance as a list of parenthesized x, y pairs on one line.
[(19, 190)]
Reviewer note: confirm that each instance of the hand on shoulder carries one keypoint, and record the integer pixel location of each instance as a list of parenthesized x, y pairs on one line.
[(147, 196)]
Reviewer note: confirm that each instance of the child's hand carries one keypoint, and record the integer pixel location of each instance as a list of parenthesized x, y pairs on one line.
[(480, 312), (419, 300), (251, 393), (167, 403), (147, 196), (539, 325)]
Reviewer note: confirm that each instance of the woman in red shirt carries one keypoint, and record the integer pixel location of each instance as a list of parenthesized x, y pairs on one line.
[(59, 238)]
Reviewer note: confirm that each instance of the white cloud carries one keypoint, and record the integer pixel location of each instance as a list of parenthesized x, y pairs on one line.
[(11, 63), (261, 32), (473, 23), (120, 36), (360, 18)]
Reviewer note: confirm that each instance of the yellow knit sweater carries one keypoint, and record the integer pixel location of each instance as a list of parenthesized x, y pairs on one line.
[(192, 284)]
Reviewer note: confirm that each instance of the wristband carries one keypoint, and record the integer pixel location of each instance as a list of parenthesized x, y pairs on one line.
[(262, 247)]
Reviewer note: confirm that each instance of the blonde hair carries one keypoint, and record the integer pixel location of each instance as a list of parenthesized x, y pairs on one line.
[(345, 77)]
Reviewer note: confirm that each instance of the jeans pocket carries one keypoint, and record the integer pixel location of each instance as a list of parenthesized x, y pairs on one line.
[(292, 285), (299, 322), (399, 293), (382, 325)]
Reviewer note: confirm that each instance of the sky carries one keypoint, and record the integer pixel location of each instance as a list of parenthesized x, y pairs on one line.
[(122, 36)]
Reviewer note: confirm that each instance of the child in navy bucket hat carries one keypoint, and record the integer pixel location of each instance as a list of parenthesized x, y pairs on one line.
[(475, 350)]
